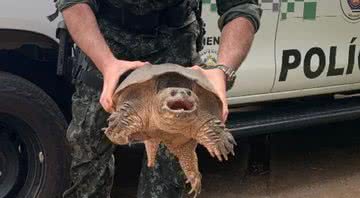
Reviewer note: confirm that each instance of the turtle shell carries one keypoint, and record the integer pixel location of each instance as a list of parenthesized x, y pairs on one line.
[(150, 72)]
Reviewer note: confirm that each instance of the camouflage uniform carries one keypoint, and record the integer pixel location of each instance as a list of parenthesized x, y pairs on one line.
[(92, 167)]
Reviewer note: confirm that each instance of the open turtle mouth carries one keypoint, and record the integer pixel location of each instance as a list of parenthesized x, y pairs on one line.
[(180, 105)]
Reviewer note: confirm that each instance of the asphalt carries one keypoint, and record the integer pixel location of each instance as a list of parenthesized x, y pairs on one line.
[(320, 162)]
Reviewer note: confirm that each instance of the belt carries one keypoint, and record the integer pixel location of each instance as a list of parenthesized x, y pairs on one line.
[(174, 16)]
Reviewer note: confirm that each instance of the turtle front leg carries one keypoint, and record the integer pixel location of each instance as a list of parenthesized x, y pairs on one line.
[(216, 139), (125, 125), (189, 163), (151, 146)]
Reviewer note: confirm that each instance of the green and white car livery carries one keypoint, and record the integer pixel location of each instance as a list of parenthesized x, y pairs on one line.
[(303, 47)]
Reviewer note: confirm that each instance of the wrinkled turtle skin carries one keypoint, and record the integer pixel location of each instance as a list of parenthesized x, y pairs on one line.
[(173, 105)]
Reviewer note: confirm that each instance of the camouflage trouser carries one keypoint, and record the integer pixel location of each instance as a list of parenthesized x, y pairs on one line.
[(92, 167)]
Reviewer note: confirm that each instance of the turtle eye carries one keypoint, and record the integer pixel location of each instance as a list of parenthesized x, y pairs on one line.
[(173, 92)]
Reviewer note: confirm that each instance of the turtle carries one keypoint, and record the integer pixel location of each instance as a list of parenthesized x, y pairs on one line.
[(175, 106)]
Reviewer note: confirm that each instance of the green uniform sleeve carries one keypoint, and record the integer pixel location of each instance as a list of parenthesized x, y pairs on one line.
[(63, 4), (229, 10)]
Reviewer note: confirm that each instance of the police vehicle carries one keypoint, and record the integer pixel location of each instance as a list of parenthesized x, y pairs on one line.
[(303, 69)]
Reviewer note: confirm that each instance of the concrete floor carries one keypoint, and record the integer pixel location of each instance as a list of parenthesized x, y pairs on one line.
[(319, 162)]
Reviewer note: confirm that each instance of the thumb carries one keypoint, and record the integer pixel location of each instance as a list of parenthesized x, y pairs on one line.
[(225, 114), (106, 96), (225, 109), (196, 67), (137, 64)]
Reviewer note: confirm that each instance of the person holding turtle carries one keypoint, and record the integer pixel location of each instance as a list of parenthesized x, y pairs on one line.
[(116, 36)]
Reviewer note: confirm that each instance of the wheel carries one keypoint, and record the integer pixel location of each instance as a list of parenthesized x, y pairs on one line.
[(34, 156)]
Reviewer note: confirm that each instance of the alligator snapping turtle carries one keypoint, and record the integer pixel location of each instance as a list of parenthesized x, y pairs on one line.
[(175, 106)]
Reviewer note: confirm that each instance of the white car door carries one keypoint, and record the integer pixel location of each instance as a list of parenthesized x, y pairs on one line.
[(28, 16), (317, 45), (256, 75)]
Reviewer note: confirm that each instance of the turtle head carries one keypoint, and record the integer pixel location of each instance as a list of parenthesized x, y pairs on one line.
[(177, 102), (177, 106)]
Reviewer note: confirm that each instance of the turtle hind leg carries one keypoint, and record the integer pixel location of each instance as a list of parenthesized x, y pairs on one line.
[(189, 163), (151, 146), (216, 139)]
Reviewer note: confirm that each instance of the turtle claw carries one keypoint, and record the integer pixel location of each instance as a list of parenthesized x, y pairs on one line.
[(150, 164), (230, 138), (211, 152), (218, 155), (195, 181)]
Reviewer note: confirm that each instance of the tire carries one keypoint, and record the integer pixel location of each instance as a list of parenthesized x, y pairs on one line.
[(34, 156)]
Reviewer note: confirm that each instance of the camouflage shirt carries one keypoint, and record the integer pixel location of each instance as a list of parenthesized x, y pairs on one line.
[(142, 46), (227, 9)]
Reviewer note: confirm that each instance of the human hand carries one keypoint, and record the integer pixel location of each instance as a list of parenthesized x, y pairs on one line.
[(112, 73), (217, 79)]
